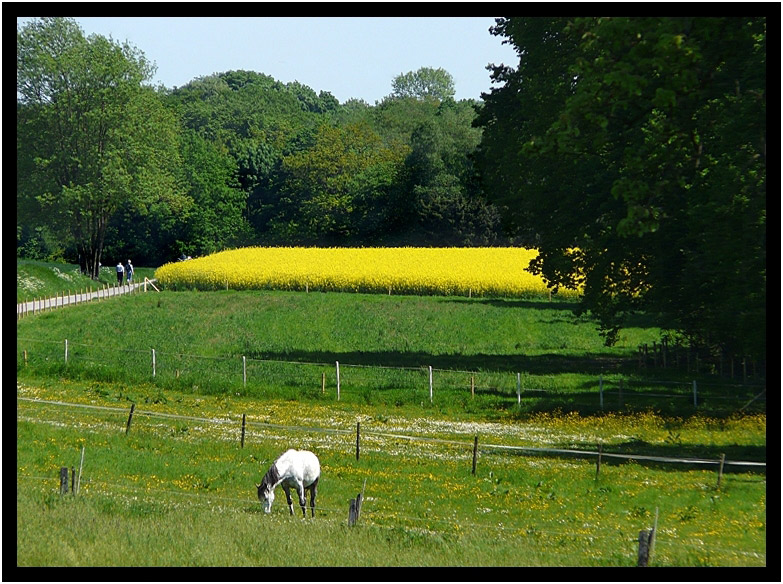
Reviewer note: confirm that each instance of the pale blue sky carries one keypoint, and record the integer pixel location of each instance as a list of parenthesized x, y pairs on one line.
[(346, 56)]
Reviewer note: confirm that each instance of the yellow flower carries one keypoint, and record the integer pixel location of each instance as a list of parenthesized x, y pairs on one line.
[(406, 270)]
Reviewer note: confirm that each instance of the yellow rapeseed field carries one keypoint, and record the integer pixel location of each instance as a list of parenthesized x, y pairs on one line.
[(404, 270)]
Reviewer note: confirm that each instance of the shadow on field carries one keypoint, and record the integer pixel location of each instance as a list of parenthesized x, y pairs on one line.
[(516, 303), (536, 365)]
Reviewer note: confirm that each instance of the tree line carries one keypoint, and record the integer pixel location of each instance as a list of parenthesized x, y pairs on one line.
[(630, 151)]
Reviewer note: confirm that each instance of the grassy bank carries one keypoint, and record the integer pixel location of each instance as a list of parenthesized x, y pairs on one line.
[(36, 279), (291, 342)]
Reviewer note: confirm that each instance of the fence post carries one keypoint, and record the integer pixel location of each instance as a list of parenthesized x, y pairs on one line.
[(130, 417), (63, 480), (472, 387), (695, 398), (430, 366), (720, 468), (242, 442), (357, 440), (79, 479), (337, 366), (244, 371), (66, 350), (645, 536), (519, 390), (354, 508), (153, 362)]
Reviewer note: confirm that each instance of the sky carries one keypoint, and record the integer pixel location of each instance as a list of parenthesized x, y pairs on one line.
[(350, 57)]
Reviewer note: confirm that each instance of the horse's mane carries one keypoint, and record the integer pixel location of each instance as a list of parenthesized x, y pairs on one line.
[(271, 477)]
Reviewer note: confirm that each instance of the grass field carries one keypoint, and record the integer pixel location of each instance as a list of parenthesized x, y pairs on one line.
[(178, 489)]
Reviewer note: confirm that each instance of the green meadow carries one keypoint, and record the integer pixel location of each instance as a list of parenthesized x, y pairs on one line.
[(178, 487)]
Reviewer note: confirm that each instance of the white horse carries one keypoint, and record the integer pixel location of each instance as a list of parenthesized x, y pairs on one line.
[(295, 468)]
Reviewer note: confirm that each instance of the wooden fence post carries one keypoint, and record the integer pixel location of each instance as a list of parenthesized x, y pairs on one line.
[(645, 537), (323, 383), (720, 468), (66, 350), (475, 453), (242, 442), (153, 363), (519, 390), (130, 418), (337, 367), (63, 480), (354, 508), (430, 367)]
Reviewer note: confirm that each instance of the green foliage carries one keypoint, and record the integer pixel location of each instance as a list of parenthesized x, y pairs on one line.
[(90, 135), (216, 220), (641, 142), (425, 83), (337, 184)]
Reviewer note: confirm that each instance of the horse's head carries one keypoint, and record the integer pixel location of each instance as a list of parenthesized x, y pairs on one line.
[(266, 494)]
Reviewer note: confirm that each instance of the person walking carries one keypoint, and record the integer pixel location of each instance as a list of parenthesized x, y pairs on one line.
[(120, 272), (128, 272)]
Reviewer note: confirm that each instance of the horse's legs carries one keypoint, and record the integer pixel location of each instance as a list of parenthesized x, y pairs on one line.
[(302, 500), (313, 489), (288, 497)]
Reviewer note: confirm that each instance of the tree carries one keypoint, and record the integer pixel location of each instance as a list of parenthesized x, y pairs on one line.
[(335, 188), (91, 136), (216, 219), (633, 151), (425, 83)]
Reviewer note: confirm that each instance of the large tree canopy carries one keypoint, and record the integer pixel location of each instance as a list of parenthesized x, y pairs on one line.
[(632, 152), (91, 136)]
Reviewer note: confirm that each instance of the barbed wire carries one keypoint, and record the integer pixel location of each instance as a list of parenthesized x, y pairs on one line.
[(330, 365)]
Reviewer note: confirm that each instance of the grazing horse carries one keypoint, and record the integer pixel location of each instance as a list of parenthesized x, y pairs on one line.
[(295, 468)]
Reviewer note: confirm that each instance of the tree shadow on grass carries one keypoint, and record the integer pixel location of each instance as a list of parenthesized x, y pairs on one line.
[(513, 363)]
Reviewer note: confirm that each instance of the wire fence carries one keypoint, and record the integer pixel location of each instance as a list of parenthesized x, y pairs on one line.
[(233, 422), (286, 378), (377, 516)]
